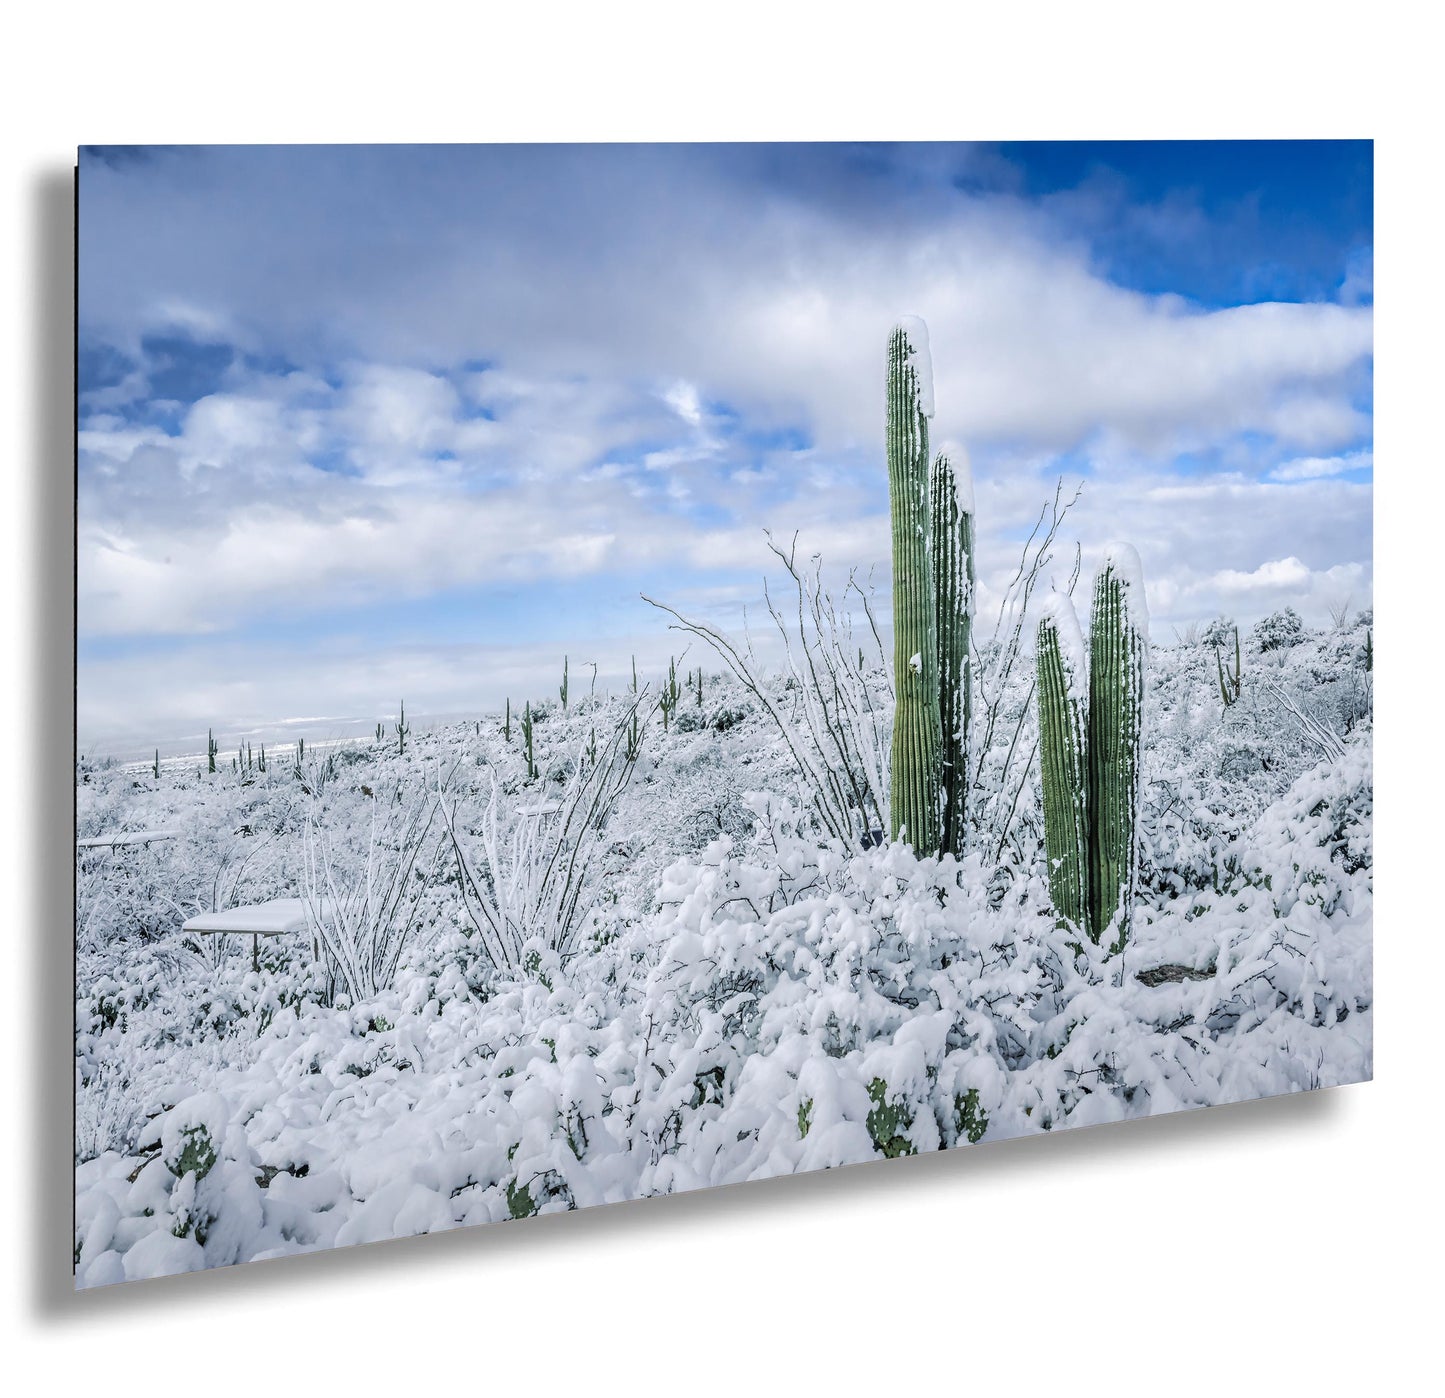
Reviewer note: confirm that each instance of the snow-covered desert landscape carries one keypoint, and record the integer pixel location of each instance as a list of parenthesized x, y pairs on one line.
[(626, 956), (954, 821)]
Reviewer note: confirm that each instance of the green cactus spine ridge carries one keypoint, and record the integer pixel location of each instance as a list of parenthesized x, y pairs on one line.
[(1116, 703), (1063, 762), (914, 783), (951, 507)]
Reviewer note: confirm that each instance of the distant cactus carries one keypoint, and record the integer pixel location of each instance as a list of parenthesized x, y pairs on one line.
[(699, 686), (1062, 761), (212, 749), (667, 702), (507, 722), (532, 772), (914, 803), (380, 732), (951, 488), (1230, 681), (562, 688), (402, 729), (157, 768)]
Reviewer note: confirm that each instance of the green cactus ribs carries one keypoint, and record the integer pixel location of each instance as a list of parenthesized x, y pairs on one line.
[(1116, 699), (1062, 761), (951, 505), (1090, 753), (917, 735)]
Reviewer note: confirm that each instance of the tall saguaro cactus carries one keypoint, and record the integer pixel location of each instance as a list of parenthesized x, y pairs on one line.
[(1062, 760), (951, 507), (914, 794), (1090, 762), (1116, 703)]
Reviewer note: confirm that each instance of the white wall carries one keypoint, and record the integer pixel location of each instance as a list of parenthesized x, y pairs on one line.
[(1278, 1246)]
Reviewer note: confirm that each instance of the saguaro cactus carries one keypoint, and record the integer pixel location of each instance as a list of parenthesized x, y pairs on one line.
[(1118, 631), (1090, 762), (951, 505), (532, 772), (914, 787), (1230, 681), (1062, 677)]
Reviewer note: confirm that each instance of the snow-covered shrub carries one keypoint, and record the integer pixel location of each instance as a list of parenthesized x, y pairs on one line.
[(1219, 632), (526, 868), (364, 913), (1278, 631)]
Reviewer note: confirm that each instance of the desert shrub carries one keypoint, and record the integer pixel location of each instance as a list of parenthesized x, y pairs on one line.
[(1219, 632), (1278, 631)]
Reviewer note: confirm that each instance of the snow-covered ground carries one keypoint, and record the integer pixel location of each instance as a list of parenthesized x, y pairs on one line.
[(732, 996)]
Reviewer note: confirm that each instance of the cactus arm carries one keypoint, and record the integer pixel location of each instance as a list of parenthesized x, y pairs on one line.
[(1063, 764), (914, 795)]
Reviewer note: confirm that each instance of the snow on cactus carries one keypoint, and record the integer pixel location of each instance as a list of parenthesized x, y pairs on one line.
[(1119, 642)]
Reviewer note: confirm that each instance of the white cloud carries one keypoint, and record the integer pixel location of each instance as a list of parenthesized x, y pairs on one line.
[(1278, 572), (1308, 468)]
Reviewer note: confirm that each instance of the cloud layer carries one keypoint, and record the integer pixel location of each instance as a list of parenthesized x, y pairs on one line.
[(362, 393)]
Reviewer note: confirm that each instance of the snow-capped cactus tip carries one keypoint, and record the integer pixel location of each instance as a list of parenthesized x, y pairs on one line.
[(919, 358), (1123, 560)]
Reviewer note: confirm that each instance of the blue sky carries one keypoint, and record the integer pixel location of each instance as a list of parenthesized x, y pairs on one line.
[(364, 422)]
